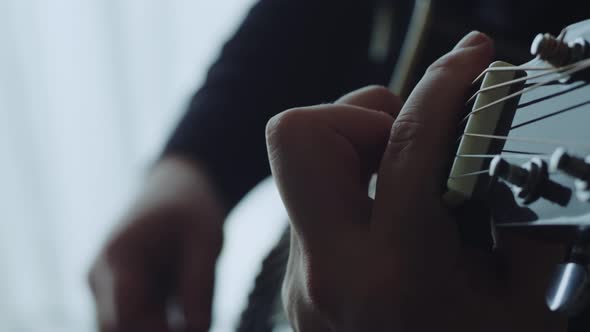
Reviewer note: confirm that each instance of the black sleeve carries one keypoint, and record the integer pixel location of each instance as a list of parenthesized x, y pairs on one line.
[(286, 53)]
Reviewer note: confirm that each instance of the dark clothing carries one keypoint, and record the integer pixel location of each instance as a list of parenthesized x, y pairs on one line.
[(291, 53)]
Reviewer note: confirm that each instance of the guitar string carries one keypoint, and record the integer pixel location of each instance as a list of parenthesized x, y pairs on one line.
[(469, 174), (485, 156), (515, 156), (584, 64), (574, 68), (520, 79), (550, 83), (561, 36), (563, 89), (530, 140), (528, 77), (544, 117), (509, 68)]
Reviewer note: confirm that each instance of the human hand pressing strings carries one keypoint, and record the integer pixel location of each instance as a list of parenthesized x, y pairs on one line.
[(395, 263)]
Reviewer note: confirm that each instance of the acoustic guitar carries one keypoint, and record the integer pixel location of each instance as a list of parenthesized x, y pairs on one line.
[(522, 164)]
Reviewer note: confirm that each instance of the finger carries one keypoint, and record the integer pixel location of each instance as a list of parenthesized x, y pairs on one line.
[(374, 97), (317, 155), (197, 276), (136, 278), (123, 300), (422, 133), (377, 98)]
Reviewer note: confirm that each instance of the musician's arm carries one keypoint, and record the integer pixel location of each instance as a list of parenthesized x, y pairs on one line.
[(285, 53)]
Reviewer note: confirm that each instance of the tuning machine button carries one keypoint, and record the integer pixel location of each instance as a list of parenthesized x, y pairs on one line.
[(530, 181), (571, 165), (576, 167), (569, 289), (558, 52)]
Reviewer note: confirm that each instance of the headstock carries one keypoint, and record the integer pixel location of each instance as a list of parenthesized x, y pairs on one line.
[(524, 151)]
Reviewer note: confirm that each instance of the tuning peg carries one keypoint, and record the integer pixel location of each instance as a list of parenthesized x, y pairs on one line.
[(558, 52), (571, 165), (575, 167), (511, 173), (531, 181)]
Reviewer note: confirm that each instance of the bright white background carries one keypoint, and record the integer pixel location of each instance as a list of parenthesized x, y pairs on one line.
[(89, 91)]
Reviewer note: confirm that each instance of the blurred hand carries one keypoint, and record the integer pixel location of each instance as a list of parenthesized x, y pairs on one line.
[(396, 263), (163, 255)]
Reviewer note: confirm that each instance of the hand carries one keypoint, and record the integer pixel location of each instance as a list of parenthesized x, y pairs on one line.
[(395, 263), (164, 252)]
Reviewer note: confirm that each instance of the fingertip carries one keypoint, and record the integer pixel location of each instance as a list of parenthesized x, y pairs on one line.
[(478, 47), (461, 65), (474, 38)]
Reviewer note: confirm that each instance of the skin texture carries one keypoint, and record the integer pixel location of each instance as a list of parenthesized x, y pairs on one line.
[(395, 263), (162, 255)]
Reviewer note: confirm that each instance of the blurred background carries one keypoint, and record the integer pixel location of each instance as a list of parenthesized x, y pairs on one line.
[(89, 91)]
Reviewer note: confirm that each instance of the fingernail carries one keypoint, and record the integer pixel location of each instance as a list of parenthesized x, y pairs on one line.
[(473, 38)]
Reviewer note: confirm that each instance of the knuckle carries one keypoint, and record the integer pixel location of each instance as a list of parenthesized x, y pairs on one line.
[(378, 91), (283, 122), (284, 125), (404, 132)]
